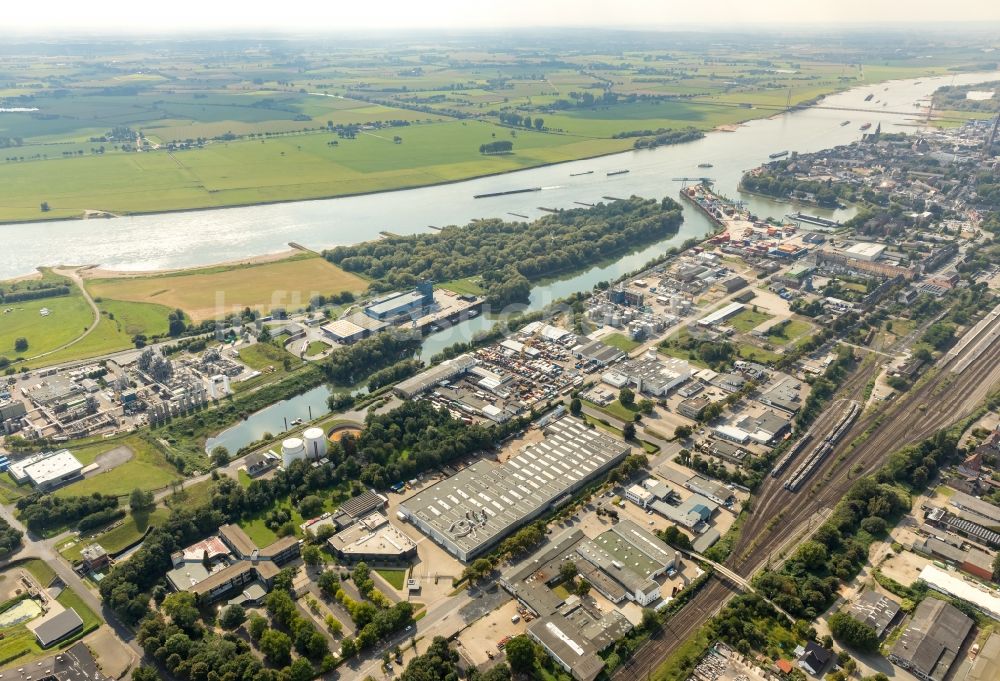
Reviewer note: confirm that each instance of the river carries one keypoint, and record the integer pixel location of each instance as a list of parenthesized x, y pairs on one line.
[(176, 240)]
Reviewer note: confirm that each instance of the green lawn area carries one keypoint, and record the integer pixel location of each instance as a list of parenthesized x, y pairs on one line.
[(751, 352), (256, 526), (9, 490), (316, 347), (468, 286), (148, 469), (795, 329), (69, 316), (902, 326), (269, 359), (747, 319), (397, 578), (120, 537), (617, 410), (192, 496), (621, 341), (40, 570)]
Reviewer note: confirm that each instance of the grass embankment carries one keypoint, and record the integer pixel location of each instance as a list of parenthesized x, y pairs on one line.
[(131, 529), (213, 292), (469, 286)]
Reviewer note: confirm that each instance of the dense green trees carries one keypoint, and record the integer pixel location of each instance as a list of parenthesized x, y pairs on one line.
[(520, 654), (497, 147), (508, 254), (10, 539), (350, 364), (395, 373), (44, 512), (853, 633)]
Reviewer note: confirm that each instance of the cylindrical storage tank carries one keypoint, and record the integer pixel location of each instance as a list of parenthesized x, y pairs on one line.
[(292, 449), (315, 442)]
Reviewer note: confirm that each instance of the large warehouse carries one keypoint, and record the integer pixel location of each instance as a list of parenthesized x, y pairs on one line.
[(473, 510)]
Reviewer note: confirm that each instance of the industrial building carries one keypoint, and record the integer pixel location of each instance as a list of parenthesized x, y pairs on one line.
[(402, 304), (875, 610), (59, 624), (47, 470), (473, 510), (566, 644), (649, 375), (352, 328), (929, 645), (435, 375), (373, 540), (722, 314), (984, 599)]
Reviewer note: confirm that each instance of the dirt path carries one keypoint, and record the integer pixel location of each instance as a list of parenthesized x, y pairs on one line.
[(74, 276)]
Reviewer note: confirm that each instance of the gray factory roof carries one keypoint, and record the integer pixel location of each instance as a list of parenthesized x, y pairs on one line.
[(387, 306), (875, 610), (567, 643), (57, 626), (987, 512), (931, 642), (598, 351), (987, 661), (426, 380), (486, 500)]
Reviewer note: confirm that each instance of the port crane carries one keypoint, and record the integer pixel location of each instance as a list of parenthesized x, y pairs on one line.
[(700, 180)]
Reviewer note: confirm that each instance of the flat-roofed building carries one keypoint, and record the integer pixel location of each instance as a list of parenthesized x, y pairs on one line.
[(875, 610), (47, 470), (374, 540), (722, 314), (694, 407), (56, 626), (929, 645), (400, 304), (987, 600), (987, 661), (631, 556), (639, 496), (652, 376), (567, 645), (715, 491), (429, 378), (351, 329), (473, 510)]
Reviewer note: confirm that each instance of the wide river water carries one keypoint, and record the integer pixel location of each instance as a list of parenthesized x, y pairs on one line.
[(174, 240)]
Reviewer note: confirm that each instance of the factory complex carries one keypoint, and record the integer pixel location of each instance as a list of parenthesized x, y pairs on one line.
[(473, 510)]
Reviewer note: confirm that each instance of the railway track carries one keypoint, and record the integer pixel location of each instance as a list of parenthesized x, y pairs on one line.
[(940, 401)]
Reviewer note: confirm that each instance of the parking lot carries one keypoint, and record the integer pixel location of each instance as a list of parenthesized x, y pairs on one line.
[(74, 664)]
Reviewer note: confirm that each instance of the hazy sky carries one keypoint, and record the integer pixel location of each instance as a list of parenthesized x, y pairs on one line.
[(332, 15)]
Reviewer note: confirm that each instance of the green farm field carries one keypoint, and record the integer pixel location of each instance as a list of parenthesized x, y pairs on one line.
[(287, 168), (211, 292)]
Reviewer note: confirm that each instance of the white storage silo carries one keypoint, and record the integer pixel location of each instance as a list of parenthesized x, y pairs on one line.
[(315, 442), (292, 449)]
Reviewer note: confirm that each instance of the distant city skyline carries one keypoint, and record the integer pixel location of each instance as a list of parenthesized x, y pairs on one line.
[(100, 16)]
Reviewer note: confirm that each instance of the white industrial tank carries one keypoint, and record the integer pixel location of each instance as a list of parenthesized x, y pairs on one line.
[(292, 449), (315, 442)]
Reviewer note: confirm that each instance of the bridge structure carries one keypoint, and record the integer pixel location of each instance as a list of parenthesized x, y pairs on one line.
[(734, 578)]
